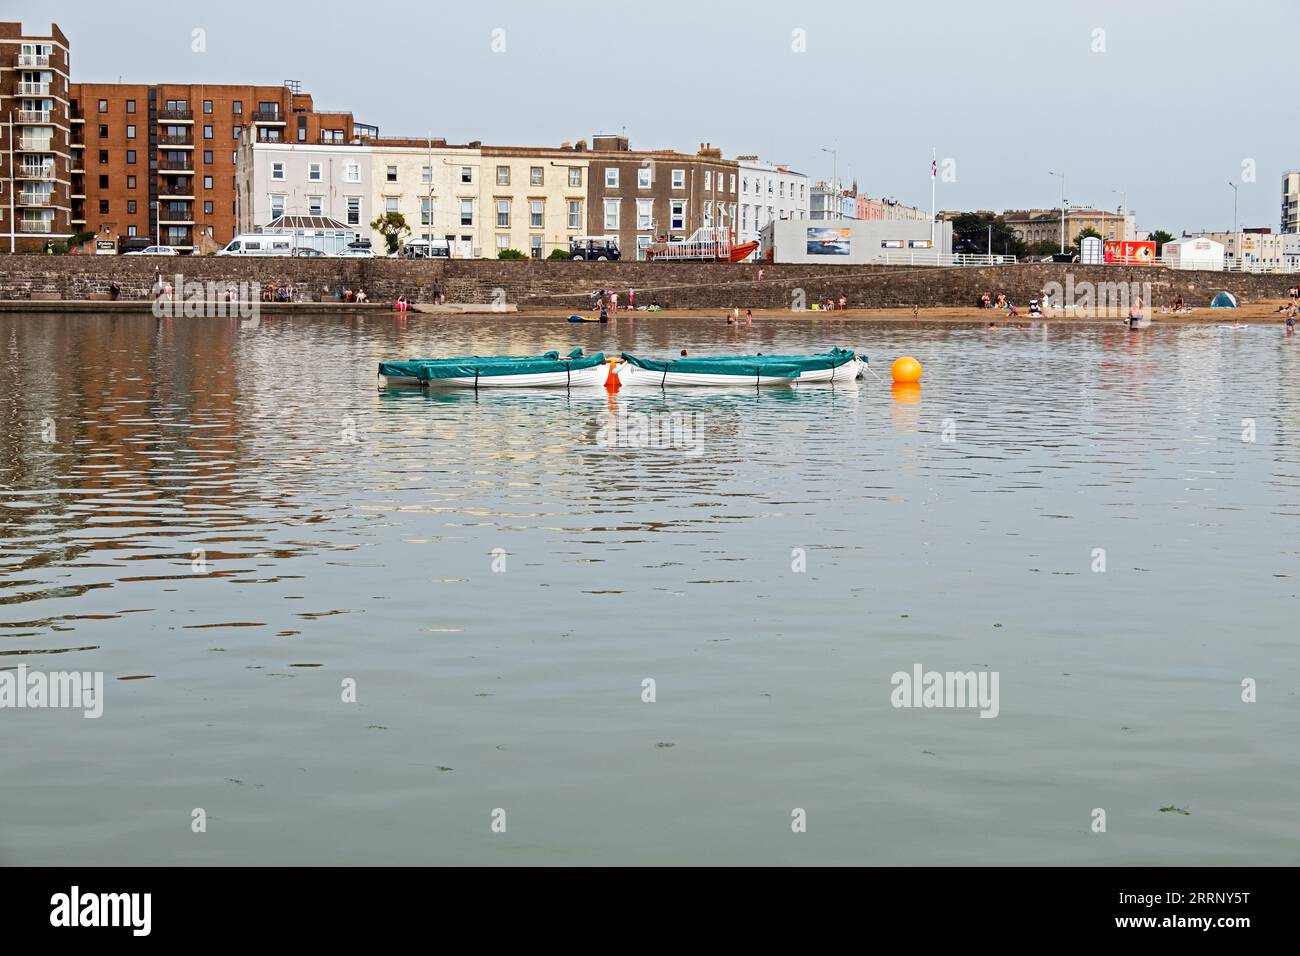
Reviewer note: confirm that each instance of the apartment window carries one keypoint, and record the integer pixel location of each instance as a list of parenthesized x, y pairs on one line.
[(313, 172), (466, 209), (234, 157), (708, 180), (130, 182), (426, 211), (611, 177), (277, 171), (207, 106), (130, 157), (235, 131), (536, 211), (731, 183), (130, 231), (677, 217), (535, 175), (503, 213), (354, 210), (575, 213), (103, 157), (130, 206), (708, 211), (103, 182), (207, 207), (237, 107), (679, 179), (352, 172), (391, 174), (780, 189), (103, 106), (207, 157), (426, 175), (644, 213), (207, 182), (130, 106), (611, 213), (643, 177), (314, 205), (103, 205), (503, 175), (575, 177), (207, 132), (467, 174), (535, 246), (103, 131), (277, 205), (390, 204), (130, 131)]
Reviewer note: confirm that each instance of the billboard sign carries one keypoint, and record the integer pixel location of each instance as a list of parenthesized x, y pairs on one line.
[(1125, 252)]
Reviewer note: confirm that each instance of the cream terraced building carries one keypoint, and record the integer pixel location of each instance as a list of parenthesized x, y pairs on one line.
[(436, 189), (534, 199)]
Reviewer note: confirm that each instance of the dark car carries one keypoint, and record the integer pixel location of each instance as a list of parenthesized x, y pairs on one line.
[(307, 252), (599, 248)]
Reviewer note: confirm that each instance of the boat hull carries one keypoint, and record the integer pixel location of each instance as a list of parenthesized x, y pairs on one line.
[(848, 372), (631, 375), (578, 378)]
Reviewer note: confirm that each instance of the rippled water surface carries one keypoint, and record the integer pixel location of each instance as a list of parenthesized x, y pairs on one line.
[(239, 521)]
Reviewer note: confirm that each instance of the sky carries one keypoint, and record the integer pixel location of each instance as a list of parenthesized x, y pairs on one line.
[(1157, 105)]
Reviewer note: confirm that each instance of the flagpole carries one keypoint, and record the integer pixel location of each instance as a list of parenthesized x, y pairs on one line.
[(934, 178)]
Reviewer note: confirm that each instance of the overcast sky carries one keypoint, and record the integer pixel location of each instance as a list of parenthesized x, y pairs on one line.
[(1165, 104)]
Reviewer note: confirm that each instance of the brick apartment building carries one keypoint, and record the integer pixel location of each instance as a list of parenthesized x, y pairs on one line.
[(156, 163), (639, 195), (35, 140)]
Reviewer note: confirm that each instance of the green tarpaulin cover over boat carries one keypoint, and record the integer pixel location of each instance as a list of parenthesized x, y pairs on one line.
[(524, 365), (410, 368), (777, 365)]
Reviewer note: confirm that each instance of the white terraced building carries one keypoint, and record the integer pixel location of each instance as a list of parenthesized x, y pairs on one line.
[(768, 192)]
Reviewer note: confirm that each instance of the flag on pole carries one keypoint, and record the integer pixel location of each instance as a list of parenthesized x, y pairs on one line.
[(934, 167)]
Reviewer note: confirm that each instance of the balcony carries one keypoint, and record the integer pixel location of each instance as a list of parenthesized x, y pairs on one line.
[(274, 118), (81, 219), (177, 192), (36, 225), (186, 142), (40, 117), (35, 144), (33, 60), (33, 89), (35, 199), (36, 172), (176, 165), (176, 116), (77, 116)]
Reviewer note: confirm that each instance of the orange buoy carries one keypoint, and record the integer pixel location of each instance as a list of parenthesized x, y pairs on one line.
[(612, 384), (906, 371)]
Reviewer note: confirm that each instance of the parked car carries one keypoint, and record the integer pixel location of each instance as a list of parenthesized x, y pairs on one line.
[(423, 249), (258, 244), (307, 252), (154, 251), (599, 248), (359, 248)]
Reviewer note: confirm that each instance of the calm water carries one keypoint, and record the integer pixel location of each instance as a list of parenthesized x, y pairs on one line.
[(512, 678)]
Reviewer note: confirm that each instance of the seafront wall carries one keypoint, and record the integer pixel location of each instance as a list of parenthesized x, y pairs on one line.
[(564, 285)]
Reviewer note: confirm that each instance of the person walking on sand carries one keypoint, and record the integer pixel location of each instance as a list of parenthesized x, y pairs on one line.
[(613, 302), (631, 299)]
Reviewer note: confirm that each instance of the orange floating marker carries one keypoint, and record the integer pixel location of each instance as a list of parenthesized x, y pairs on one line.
[(612, 384), (906, 371)]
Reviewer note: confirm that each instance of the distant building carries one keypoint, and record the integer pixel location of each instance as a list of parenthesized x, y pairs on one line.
[(157, 163), (637, 195), (1044, 225), (1258, 249), (536, 197), (36, 149), (438, 188), (853, 241), (1291, 201), (768, 192), (276, 179)]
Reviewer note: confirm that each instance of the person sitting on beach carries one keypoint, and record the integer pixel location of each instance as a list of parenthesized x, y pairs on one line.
[(114, 290), (1002, 300), (1011, 309), (361, 295), (984, 301), (401, 305), (347, 293), (1034, 309), (844, 301)]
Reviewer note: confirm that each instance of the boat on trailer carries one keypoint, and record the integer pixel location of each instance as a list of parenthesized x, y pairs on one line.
[(527, 372), (837, 365), (398, 374)]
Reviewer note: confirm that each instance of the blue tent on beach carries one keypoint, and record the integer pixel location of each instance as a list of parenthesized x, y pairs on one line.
[(1223, 300)]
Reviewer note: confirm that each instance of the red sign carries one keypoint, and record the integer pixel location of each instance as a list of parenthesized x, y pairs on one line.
[(1123, 252)]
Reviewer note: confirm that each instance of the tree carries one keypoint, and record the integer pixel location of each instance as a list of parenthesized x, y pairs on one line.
[(392, 226), (1160, 237), (971, 230)]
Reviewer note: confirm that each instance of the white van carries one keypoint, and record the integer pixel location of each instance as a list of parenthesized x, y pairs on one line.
[(258, 244)]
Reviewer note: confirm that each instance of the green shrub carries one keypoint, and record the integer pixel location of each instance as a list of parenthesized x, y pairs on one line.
[(511, 254), (558, 254)]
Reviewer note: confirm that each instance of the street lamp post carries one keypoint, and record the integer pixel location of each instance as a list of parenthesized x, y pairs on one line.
[(835, 169), (1235, 239), (1062, 175)]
